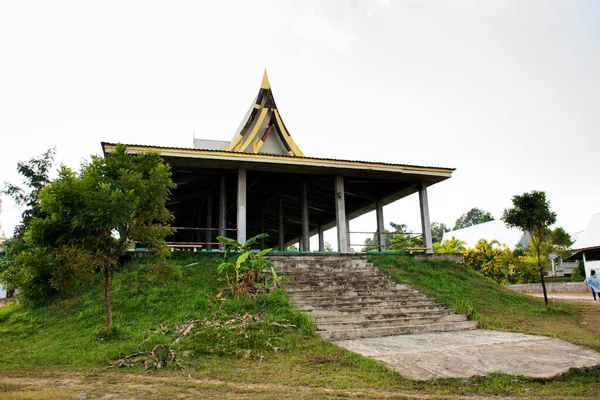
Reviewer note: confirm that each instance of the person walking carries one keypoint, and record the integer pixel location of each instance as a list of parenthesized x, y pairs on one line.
[(594, 283)]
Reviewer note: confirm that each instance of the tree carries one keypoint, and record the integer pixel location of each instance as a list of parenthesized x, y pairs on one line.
[(437, 231), (531, 212), (474, 216), (402, 238), (35, 174), (91, 218), (560, 237)]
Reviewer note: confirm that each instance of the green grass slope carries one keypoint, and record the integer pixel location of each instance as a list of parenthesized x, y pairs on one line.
[(496, 307), (179, 322)]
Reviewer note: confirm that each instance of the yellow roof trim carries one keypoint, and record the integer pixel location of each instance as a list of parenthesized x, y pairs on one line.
[(257, 126), (286, 136), (262, 156), (265, 82)]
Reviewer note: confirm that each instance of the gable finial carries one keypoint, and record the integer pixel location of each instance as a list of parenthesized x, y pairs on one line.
[(265, 82)]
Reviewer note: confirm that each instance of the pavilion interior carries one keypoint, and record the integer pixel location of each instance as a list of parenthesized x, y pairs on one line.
[(195, 202)]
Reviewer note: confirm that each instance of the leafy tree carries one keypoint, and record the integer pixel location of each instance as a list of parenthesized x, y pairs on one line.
[(476, 256), (474, 216), (403, 238), (372, 244), (561, 241), (452, 245), (90, 219), (560, 237), (526, 264), (35, 175), (437, 231), (531, 212)]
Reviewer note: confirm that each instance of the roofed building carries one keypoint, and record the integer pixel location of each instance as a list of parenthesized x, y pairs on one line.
[(260, 181), (587, 246)]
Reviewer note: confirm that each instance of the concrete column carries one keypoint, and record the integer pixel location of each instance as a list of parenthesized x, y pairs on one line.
[(241, 206), (348, 233), (222, 211), (304, 239), (209, 233), (425, 222), (262, 228), (282, 246), (321, 239), (380, 226), (340, 215)]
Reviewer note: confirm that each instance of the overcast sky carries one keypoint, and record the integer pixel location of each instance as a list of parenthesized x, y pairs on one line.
[(506, 92)]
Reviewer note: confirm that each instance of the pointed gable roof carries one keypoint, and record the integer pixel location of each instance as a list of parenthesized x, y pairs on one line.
[(590, 238), (263, 130)]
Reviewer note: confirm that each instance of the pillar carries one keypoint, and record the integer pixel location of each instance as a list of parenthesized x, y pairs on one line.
[(425, 222), (282, 246), (222, 210), (380, 227), (209, 232), (340, 215), (241, 206), (304, 242), (262, 229), (321, 239)]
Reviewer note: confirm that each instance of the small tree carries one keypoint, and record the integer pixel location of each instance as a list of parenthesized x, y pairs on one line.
[(474, 216), (36, 175), (531, 212), (437, 231), (89, 220)]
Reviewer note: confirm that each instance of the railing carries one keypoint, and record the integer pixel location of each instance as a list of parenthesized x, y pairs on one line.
[(196, 245), (383, 246)]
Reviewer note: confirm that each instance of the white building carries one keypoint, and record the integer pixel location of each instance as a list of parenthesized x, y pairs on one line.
[(587, 247), (492, 230)]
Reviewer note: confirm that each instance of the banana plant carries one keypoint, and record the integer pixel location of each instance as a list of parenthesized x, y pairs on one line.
[(247, 267)]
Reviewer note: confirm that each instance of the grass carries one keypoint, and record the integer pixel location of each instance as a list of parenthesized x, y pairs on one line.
[(495, 307), (242, 348)]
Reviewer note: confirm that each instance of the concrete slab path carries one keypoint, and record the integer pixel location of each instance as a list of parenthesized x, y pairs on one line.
[(470, 353)]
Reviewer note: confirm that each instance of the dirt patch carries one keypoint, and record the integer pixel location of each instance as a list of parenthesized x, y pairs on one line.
[(116, 386)]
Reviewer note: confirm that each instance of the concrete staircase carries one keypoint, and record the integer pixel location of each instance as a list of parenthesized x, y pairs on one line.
[(350, 298)]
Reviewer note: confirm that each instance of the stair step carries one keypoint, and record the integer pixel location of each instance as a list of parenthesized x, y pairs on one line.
[(344, 293), (380, 323), (344, 334), (350, 298), (336, 316), (336, 304), (354, 309)]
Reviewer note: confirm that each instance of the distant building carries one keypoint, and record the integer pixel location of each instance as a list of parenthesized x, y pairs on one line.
[(492, 230), (587, 246)]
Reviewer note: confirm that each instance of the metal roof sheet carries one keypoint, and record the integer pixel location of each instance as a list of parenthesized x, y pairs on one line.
[(291, 158)]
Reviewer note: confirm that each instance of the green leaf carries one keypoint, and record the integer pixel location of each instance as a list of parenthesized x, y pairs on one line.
[(241, 259), (263, 252), (229, 241)]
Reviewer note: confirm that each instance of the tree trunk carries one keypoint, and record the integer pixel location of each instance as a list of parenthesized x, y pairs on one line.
[(542, 276), (107, 305)]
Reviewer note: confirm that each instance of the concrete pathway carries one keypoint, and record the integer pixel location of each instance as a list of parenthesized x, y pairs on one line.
[(477, 352), (585, 297)]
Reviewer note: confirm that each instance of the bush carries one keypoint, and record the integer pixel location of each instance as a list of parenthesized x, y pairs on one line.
[(577, 275)]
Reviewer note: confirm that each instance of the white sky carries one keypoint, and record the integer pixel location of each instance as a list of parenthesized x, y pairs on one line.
[(507, 92)]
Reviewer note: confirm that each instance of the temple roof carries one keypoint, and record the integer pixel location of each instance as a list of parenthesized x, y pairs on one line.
[(262, 130)]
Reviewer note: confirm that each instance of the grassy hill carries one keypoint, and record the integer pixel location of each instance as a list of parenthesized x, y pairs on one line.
[(494, 306), (176, 327)]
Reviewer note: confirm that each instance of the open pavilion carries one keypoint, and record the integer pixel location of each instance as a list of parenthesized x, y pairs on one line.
[(260, 181)]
